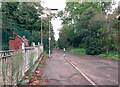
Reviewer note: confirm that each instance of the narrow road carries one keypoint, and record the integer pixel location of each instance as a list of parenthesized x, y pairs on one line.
[(102, 71), (59, 72)]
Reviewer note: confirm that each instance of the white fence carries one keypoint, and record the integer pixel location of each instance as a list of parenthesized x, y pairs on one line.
[(13, 64)]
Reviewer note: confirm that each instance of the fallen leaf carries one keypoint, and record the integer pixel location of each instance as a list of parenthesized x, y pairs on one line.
[(36, 81), (37, 72)]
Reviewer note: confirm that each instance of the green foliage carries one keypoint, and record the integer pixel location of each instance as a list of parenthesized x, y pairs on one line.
[(113, 55), (102, 55), (45, 54), (31, 59), (23, 19), (27, 15), (86, 25), (12, 69), (92, 46), (80, 51), (69, 48), (19, 83), (81, 46), (46, 80)]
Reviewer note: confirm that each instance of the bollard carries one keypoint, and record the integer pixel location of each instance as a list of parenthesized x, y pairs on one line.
[(33, 44), (41, 46), (38, 43), (64, 52)]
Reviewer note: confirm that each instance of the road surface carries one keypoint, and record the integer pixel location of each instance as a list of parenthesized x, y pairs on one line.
[(102, 71), (59, 72)]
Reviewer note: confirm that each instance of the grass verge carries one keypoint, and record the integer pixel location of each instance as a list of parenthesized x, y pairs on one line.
[(113, 55)]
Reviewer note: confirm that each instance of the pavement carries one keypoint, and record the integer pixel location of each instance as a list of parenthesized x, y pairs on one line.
[(59, 72), (103, 71)]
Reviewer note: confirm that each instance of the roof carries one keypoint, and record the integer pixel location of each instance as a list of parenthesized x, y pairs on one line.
[(17, 35)]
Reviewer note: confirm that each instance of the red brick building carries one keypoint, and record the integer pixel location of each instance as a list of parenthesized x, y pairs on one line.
[(15, 42)]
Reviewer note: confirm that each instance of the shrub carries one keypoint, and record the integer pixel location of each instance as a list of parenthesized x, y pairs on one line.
[(92, 46), (81, 46), (69, 48), (102, 55), (82, 51)]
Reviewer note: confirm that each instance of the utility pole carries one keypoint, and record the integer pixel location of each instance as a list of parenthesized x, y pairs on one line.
[(41, 32), (49, 36)]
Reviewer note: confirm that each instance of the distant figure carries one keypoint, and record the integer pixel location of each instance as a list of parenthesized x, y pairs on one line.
[(24, 40)]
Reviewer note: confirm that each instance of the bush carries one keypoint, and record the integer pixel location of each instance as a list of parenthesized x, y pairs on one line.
[(102, 55), (111, 54), (92, 46), (69, 48), (82, 51), (81, 46)]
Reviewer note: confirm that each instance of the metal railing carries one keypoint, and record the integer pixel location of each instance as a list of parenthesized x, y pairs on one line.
[(5, 54), (14, 64)]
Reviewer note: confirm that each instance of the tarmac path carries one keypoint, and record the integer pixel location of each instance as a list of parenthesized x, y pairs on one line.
[(102, 71), (59, 72)]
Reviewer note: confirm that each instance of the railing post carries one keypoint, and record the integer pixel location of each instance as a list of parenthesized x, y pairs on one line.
[(41, 46), (33, 44), (38, 49), (38, 43), (1, 83), (23, 49)]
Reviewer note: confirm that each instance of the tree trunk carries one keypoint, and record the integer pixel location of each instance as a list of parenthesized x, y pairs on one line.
[(107, 49)]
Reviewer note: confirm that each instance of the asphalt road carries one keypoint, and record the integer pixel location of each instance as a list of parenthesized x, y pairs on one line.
[(59, 72), (102, 71)]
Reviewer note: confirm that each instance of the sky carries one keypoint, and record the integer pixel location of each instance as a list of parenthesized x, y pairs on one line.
[(60, 5), (55, 4)]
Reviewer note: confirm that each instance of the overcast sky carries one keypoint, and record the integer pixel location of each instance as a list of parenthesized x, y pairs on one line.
[(60, 5)]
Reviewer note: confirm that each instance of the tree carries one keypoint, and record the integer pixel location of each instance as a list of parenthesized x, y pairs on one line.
[(93, 38), (23, 18), (93, 28)]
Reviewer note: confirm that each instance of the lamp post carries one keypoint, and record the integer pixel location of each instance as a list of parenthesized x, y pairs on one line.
[(41, 28), (41, 32), (49, 29)]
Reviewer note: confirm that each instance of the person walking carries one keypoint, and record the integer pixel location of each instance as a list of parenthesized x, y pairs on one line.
[(25, 41)]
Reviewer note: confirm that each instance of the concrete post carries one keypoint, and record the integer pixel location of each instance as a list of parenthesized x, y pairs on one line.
[(38, 43), (23, 48), (33, 44)]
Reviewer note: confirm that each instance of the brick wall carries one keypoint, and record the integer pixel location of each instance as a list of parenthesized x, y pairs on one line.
[(15, 42)]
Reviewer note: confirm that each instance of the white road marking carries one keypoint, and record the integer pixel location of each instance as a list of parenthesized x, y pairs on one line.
[(85, 76)]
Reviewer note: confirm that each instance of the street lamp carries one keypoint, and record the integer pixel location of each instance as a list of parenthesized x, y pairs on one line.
[(41, 32), (41, 28), (49, 29)]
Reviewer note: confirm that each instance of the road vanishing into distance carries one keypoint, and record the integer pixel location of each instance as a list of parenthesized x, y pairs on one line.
[(101, 71)]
